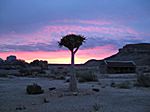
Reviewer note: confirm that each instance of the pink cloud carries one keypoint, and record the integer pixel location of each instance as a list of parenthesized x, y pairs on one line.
[(90, 22), (95, 22), (63, 56), (92, 29), (99, 52), (47, 34)]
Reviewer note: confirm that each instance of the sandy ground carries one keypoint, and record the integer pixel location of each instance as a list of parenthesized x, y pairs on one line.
[(13, 95)]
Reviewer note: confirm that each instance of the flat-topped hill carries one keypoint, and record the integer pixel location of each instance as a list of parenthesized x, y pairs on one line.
[(139, 53)]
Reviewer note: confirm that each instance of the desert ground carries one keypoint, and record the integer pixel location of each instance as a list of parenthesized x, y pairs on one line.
[(13, 96)]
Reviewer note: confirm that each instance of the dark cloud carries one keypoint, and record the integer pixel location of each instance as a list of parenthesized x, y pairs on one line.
[(31, 47), (91, 42), (101, 41), (29, 15)]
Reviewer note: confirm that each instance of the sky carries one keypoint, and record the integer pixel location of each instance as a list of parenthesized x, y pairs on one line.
[(31, 29)]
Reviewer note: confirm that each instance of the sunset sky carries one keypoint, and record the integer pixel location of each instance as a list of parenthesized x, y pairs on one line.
[(30, 29)]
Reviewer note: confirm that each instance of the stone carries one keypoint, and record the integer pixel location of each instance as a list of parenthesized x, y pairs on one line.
[(95, 89), (45, 100), (52, 88), (67, 79)]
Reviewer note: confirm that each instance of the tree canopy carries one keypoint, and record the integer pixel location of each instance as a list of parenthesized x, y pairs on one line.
[(72, 41)]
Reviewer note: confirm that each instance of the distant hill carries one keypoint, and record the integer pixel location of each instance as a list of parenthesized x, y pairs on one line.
[(139, 53), (92, 62)]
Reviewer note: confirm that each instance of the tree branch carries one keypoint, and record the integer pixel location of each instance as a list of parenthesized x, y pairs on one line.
[(76, 50)]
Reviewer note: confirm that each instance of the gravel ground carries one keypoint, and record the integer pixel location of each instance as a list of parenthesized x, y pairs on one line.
[(108, 99)]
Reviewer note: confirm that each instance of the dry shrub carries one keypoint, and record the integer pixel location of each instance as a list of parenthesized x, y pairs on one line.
[(122, 85), (86, 76), (97, 108), (34, 89), (143, 80)]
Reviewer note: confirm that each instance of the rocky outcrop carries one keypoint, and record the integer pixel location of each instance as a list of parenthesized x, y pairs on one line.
[(93, 62), (139, 53)]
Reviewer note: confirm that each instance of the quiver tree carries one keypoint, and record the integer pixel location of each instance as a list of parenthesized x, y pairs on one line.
[(72, 42)]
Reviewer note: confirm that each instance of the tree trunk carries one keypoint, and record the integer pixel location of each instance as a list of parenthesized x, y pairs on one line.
[(73, 80)]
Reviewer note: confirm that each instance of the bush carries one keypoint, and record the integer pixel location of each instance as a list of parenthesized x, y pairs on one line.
[(3, 75), (122, 85), (143, 80), (97, 108), (34, 89), (86, 76), (113, 84), (42, 72), (25, 72), (59, 73)]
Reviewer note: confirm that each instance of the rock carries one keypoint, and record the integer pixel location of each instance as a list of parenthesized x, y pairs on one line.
[(95, 89), (33, 103), (92, 85), (52, 88), (75, 93), (45, 100), (34, 89), (67, 79), (21, 107), (113, 84), (103, 86), (99, 83), (60, 95)]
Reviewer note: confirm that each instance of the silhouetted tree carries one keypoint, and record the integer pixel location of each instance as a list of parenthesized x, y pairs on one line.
[(40, 63), (35, 62), (72, 42)]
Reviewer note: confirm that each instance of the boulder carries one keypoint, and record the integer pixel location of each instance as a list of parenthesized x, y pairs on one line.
[(34, 89)]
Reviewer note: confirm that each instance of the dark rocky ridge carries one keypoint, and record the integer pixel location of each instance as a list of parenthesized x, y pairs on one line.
[(139, 53)]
